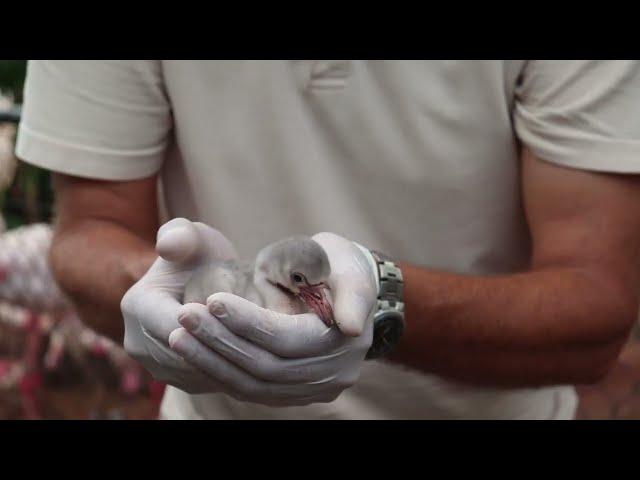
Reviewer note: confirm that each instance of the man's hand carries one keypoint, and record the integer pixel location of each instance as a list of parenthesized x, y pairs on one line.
[(263, 356), (150, 307)]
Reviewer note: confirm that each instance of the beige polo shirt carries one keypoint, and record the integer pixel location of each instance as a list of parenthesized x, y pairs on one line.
[(418, 159)]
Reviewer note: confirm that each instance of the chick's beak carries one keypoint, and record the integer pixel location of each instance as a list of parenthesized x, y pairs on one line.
[(317, 299)]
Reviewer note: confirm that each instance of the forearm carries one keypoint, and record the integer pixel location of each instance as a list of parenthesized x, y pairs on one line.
[(95, 262), (548, 326)]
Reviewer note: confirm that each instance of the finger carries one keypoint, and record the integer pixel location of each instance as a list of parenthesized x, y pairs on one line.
[(184, 242), (252, 358), (239, 382), (173, 371), (290, 336), (154, 309)]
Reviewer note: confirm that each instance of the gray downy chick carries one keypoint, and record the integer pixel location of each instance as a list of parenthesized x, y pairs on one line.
[(288, 276)]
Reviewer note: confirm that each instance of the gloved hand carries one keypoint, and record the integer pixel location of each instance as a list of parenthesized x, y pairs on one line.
[(267, 357), (150, 307)]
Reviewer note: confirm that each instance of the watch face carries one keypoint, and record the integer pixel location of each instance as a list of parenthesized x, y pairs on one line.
[(387, 330)]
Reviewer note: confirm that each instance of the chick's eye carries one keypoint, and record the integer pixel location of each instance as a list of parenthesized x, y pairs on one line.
[(297, 278)]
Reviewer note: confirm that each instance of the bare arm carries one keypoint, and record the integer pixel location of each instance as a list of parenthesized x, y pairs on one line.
[(103, 242), (563, 321)]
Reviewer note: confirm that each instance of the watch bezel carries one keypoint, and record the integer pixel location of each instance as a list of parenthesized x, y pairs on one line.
[(381, 320)]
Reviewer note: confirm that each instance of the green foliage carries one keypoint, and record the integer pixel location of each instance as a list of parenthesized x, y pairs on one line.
[(12, 73), (30, 197)]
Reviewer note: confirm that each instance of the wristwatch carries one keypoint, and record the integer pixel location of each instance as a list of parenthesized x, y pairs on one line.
[(388, 317)]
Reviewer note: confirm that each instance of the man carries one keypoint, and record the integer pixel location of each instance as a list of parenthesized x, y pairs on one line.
[(504, 192)]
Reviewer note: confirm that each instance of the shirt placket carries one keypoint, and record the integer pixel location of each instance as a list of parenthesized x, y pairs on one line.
[(328, 74)]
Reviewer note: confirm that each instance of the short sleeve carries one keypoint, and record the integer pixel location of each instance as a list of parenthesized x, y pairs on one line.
[(582, 114), (107, 120)]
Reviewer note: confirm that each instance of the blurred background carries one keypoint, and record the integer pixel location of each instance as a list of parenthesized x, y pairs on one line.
[(51, 365), (54, 367)]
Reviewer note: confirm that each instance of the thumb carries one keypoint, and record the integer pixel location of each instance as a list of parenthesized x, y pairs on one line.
[(352, 283), (352, 306), (184, 242)]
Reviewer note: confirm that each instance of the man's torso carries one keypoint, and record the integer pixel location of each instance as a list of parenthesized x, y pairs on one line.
[(416, 159)]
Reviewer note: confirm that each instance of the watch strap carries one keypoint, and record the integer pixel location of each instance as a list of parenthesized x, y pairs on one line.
[(390, 281), (389, 310)]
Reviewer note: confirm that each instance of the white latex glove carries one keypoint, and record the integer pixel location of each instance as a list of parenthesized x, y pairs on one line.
[(267, 357), (150, 307)]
